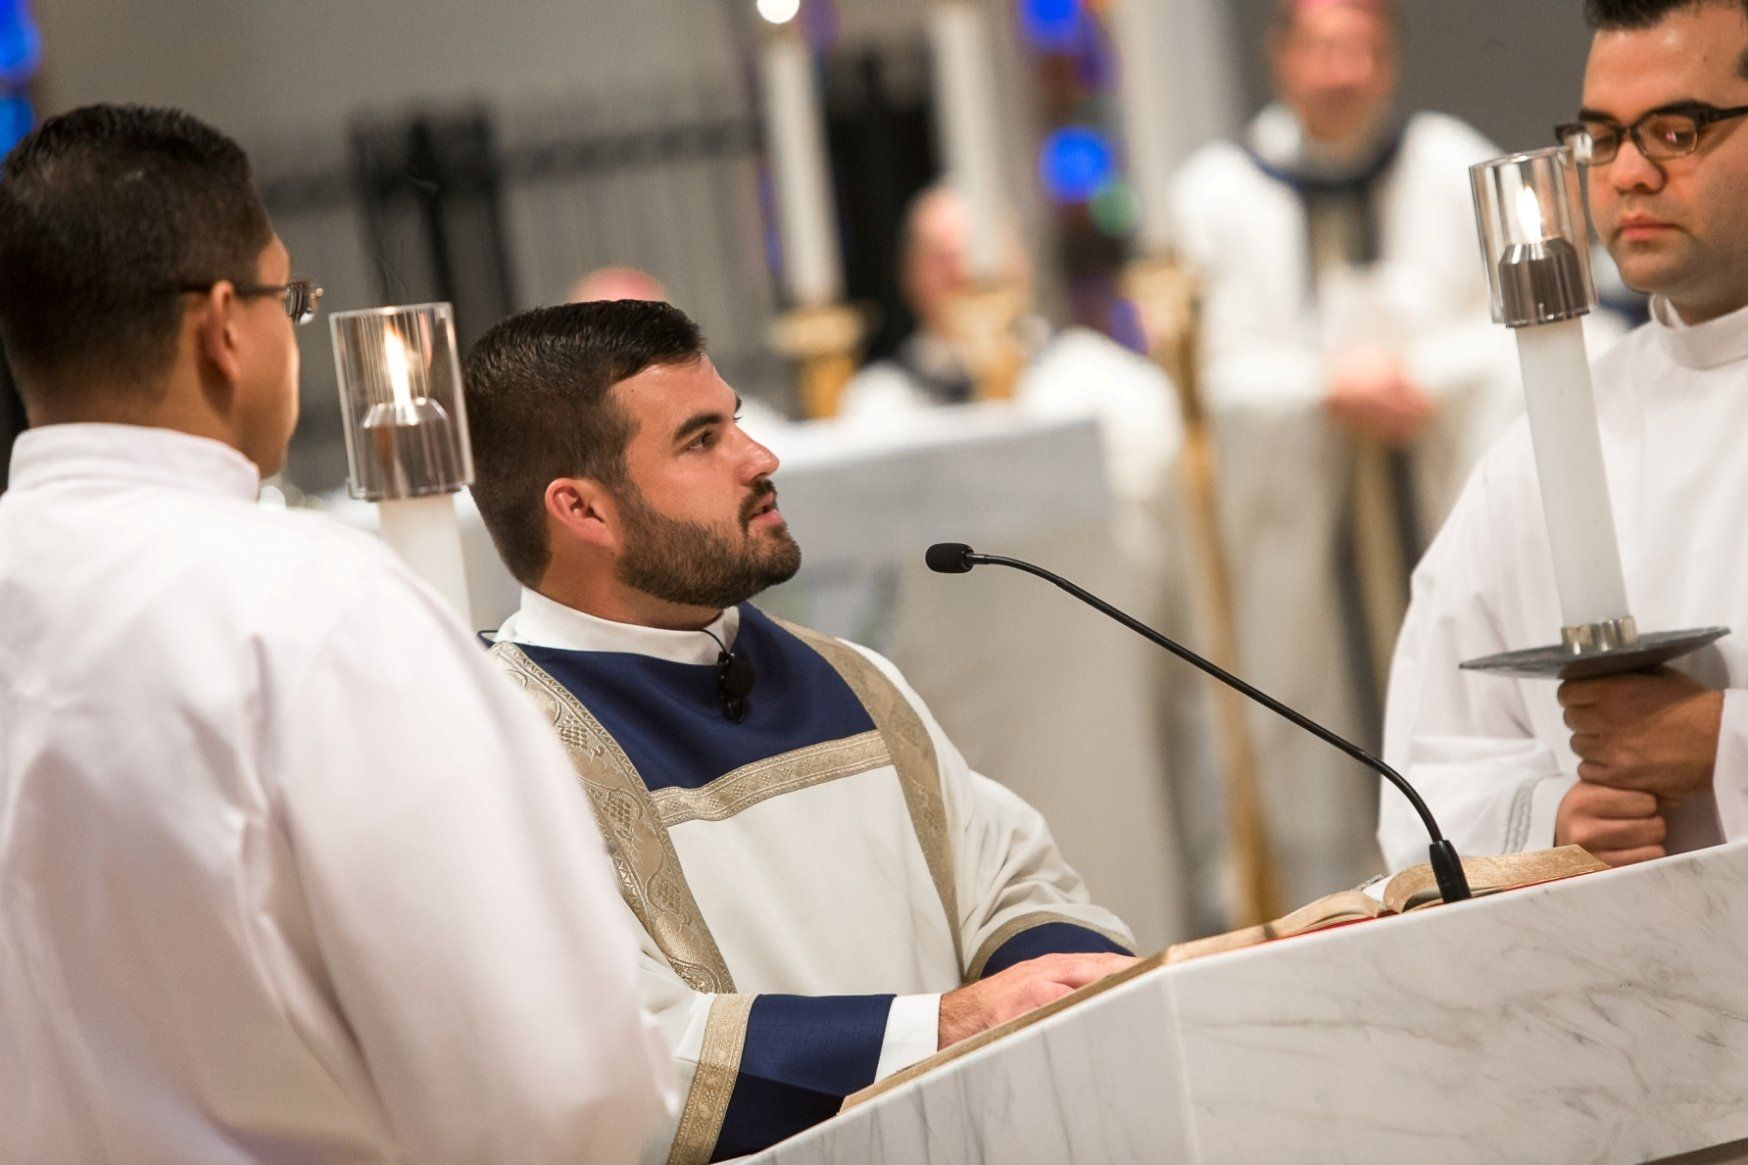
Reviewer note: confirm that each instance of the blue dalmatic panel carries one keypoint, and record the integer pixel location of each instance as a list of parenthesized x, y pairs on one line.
[(667, 718)]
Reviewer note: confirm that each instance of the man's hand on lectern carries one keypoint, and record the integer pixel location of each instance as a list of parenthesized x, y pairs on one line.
[(1017, 990), (1654, 732)]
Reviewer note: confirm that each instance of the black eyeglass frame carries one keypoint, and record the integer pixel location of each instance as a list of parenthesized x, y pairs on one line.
[(300, 296), (1704, 117)]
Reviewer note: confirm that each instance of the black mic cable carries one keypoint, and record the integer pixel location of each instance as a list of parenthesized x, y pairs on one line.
[(1447, 867)]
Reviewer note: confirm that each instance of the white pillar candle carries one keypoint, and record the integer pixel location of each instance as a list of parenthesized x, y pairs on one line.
[(1148, 133), (425, 533), (1574, 483), (805, 213), (970, 130)]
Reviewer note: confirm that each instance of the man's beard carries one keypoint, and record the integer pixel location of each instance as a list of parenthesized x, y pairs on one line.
[(694, 564)]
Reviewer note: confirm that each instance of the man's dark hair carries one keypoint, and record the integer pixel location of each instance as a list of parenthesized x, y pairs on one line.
[(104, 212), (538, 408), (1613, 15)]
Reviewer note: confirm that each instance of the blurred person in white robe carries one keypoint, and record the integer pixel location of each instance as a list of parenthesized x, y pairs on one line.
[(1352, 376), (1074, 372), (828, 893), (1069, 372), (286, 871), (1636, 766)]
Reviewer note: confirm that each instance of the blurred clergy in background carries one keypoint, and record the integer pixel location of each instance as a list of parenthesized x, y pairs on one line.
[(1352, 375), (826, 892)]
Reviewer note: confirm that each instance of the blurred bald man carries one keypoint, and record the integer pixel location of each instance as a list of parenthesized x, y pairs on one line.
[(1072, 371), (1353, 375)]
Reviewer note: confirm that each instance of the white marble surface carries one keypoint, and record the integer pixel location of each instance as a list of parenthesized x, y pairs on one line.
[(1603, 1019)]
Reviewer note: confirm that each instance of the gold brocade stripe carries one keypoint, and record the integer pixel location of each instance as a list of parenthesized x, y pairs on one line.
[(725, 1034), (650, 878), (748, 785), (913, 755), (1024, 922)]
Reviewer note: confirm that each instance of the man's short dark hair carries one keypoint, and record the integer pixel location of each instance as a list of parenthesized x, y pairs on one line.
[(1613, 15), (538, 408), (105, 212)]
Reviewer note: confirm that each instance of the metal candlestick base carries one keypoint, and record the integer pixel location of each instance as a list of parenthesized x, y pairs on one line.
[(1607, 649)]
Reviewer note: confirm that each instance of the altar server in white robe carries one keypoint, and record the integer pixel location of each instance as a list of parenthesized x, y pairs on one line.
[(1634, 766), (827, 893), (286, 871), (1352, 375)]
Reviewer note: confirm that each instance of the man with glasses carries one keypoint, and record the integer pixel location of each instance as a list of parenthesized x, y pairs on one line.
[(285, 871), (1637, 766)]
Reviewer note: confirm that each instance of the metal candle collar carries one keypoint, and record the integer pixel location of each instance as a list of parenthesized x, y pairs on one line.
[(1542, 283)]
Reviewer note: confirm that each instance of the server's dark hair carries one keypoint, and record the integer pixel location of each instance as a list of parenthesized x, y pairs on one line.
[(105, 211), (1613, 15), (538, 408)]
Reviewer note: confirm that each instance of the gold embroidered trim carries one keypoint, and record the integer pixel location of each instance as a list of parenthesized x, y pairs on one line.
[(725, 1034), (913, 755), (746, 786), (1021, 923), (650, 878)]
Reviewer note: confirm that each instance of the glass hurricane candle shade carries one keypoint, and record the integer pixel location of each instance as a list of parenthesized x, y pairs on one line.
[(1535, 241), (401, 402)]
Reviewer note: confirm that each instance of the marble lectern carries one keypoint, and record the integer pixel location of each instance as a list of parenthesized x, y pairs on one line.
[(1601, 1019)]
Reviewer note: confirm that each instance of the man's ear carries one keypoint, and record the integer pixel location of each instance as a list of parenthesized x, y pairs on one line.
[(584, 510), (215, 332)]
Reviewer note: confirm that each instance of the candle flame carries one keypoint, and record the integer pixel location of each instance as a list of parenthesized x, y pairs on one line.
[(1529, 215), (400, 372)]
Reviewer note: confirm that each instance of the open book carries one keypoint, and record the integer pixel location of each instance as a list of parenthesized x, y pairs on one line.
[(1412, 889)]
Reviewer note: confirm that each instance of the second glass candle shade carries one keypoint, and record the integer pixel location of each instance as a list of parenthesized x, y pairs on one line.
[(401, 400), (1534, 237)]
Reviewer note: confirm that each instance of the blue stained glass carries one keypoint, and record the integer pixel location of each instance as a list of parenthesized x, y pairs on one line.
[(20, 44), (16, 119), (1075, 162), (1054, 25)]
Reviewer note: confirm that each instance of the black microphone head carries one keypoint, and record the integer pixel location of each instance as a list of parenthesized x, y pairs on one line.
[(735, 677), (949, 558)]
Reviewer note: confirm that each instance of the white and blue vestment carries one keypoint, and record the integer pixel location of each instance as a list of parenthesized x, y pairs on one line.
[(808, 881)]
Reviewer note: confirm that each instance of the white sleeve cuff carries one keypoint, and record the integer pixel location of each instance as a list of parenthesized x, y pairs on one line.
[(1544, 807), (1730, 774), (913, 1032)]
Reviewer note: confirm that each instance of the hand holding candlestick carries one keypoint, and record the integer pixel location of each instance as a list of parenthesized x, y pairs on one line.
[(1536, 245)]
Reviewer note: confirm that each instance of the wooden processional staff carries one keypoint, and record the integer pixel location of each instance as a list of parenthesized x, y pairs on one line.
[(1169, 297)]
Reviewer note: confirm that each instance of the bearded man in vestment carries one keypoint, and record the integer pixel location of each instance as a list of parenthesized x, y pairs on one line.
[(826, 892)]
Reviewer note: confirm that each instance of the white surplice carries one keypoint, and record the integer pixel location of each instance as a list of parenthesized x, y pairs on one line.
[(824, 890), (1274, 314), (286, 872), (1491, 755)]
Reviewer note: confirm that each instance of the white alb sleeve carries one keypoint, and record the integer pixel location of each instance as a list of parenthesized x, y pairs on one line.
[(466, 912)]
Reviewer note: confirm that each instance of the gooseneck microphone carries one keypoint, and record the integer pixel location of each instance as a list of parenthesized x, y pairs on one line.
[(1447, 867)]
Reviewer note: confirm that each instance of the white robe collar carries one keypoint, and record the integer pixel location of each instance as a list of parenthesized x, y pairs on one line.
[(542, 622), (136, 453), (1708, 345)]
